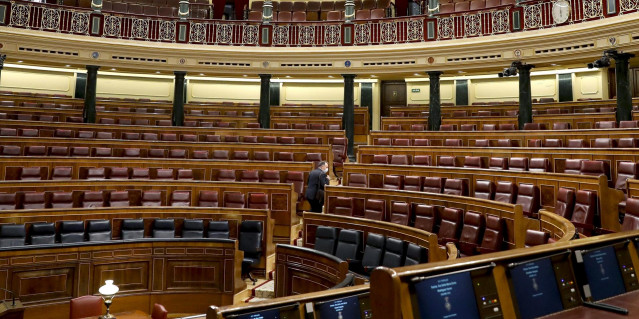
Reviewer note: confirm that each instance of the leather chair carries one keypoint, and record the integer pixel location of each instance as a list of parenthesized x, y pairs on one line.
[(413, 183), (506, 127), (572, 166), (484, 189), (433, 184), (539, 164), (85, 306), (61, 200), (604, 142), (93, 199), (163, 228), (180, 198), (31, 174), (58, 151), (218, 229), (284, 156), (534, 126), (12, 150), (399, 160), (71, 231), (427, 217), (423, 160), (560, 126), (258, 201), (452, 142), (249, 139), (519, 164), (382, 141), (628, 124), (493, 239), (627, 142), (446, 161), (473, 162), (489, 127), (415, 255), (226, 175), (132, 229), (33, 200), (269, 139), (373, 252), (506, 192), (61, 173), (159, 312), (626, 170), (576, 143), (8, 201), (401, 142), (184, 174), (536, 237), (349, 246), (156, 153), (140, 173), (240, 156), (220, 155), (380, 159), (270, 176), (250, 242), (234, 200), (311, 140), (118, 173), (605, 124), (42, 234), (393, 253), (374, 209), (36, 150), (506, 143), (193, 228), (468, 127), (421, 142), (208, 199), (400, 213), (528, 198), (583, 215), (595, 168), (450, 225), (565, 202), (343, 206), (98, 230), (151, 198), (500, 163), (459, 114), (472, 233), (395, 182), (213, 138), (418, 127), (534, 142), (204, 154), (261, 156), (631, 218), (12, 235), (250, 176), (553, 142), (326, 239), (454, 186)]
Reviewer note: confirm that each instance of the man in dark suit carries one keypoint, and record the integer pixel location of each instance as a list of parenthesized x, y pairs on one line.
[(315, 187)]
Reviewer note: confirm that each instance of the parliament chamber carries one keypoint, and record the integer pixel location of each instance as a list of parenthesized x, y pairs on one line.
[(156, 159)]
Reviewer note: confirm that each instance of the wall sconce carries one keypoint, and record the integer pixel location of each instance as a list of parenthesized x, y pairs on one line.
[(108, 292)]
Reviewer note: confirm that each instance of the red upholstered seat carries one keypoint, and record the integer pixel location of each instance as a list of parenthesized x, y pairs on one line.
[(382, 141), (102, 152), (399, 160), (448, 127), (484, 189), (446, 161), (627, 142), (506, 143), (454, 186), (297, 179), (394, 127), (226, 175), (528, 198), (421, 142), (565, 202), (417, 127), (258, 201), (151, 198), (94, 173), (506, 192), (177, 153), (357, 180), (93, 199), (156, 153), (433, 184), (33, 173), (595, 168), (576, 143), (240, 156), (518, 164), (498, 163), (61, 173), (572, 166), (249, 176), (118, 173), (450, 225), (560, 126), (8, 201), (220, 154), (489, 127), (119, 199), (468, 127), (427, 217), (270, 176), (423, 160), (380, 159), (85, 306), (473, 162), (401, 142), (284, 156), (33, 200), (553, 142), (413, 183), (452, 142), (395, 182), (208, 199), (204, 154), (583, 215), (180, 198), (538, 164), (36, 150), (343, 206), (626, 170), (628, 124), (61, 200), (534, 142), (140, 173), (400, 213), (234, 200), (506, 127), (131, 152), (185, 174), (605, 124), (536, 237), (631, 218), (170, 137), (261, 156), (374, 209), (493, 239), (471, 233), (534, 126), (482, 143)]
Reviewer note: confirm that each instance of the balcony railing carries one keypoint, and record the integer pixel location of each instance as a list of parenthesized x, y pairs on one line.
[(530, 15)]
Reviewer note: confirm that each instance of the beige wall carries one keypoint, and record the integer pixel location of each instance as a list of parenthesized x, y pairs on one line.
[(446, 88), (37, 81), (376, 106), (120, 86), (223, 91), (590, 85), (315, 93)]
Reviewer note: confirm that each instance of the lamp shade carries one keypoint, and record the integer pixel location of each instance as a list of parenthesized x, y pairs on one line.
[(109, 288)]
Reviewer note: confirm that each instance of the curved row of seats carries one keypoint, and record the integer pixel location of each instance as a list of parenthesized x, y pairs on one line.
[(490, 113), (378, 250), (513, 126), (129, 198), (298, 11), (599, 142), (309, 126), (67, 232), (83, 151)]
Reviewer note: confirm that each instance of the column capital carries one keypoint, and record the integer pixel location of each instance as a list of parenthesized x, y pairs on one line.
[(434, 73), (93, 67), (349, 77), (265, 76), (622, 56), (525, 67), (179, 73)]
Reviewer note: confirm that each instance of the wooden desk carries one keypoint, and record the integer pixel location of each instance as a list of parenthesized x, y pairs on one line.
[(136, 314), (628, 300)]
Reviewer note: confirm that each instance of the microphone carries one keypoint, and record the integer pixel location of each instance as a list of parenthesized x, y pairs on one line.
[(13, 295)]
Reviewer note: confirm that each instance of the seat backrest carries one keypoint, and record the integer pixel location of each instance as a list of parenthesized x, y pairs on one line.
[(594, 168), (132, 229), (583, 215), (518, 164), (326, 239), (493, 238), (42, 234), (450, 225), (473, 162), (455, 186), (446, 161), (374, 209), (395, 182), (85, 306), (250, 176), (226, 175), (536, 237), (270, 176), (218, 229), (434, 184), (572, 166), (498, 163), (208, 199), (484, 189), (357, 180), (297, 179), (163, 228), (250, 238), (180, 198), (373, 251), (538, 164), (472, 232), (631, 218), (413, 183), (400, 213), (606, 124), (505, 143), (118, 173), (349, 245), (193, 228), (119, 199), (506, 192), (234, 200), (258, 201), (343, 206), (99, 230), (33, 173), (553, 142), (576, 143), (140, 173), (452, 142), (393, 252), (151, 198), (565, 202), (426, 217), (12, 235), (628, 124), (528, 198), (33, 200), (415, 255), (71, 231), (399, 160), (625, 170), (380, 159), (61, 200), (421, 160), (627, 142)]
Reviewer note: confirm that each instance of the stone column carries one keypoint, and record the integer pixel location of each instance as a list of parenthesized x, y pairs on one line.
[(434, 107), (177, 116), (624, 92), (89, 114), (348, 117), (525, 95), (265, 101)]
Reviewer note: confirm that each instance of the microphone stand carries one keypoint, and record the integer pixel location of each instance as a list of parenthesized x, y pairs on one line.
[(13, 296)]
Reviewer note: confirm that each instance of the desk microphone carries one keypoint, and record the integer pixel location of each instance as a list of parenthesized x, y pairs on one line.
[(606, 307), (13, 295)]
